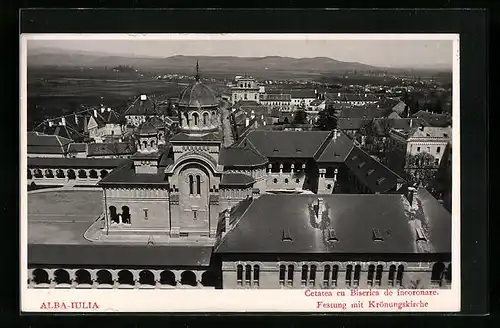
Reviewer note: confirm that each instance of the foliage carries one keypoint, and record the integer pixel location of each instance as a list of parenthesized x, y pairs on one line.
[(327, 121), (300, 117)]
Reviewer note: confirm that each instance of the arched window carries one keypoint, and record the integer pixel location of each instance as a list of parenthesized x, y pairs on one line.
[(248, 274), (195, 119), (290, 275), (392, 272), (38, 173), (71, 175), (62, 277), (125, 277), (437, 273), (208, 279), (144, 144), (205, 118), (167, 278), (82, 174), (357, 273), (152, 144), (40, 276), (256, 274), (104, 173), (126, 215), (282, 275), (93, 174), (239, 274), (304, 275), (104, 277), (49, 174), (312, 275), (191, 185), (188, 278), (378, 275), (286, 180), (335, 274), (326, 275), (160, 136), (146, 277), (348, 275), (59, 173), (198, 185), (83, 277), (371, 273), (275, 180), (399, 275)]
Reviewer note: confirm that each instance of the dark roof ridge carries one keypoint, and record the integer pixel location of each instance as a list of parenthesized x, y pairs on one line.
[(323, 145), (118, 169), (381, 164), (233, 228)]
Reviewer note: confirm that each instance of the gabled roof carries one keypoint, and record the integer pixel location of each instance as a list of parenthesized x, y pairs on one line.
[(348, 123), (304, 93), (107, 149), (275, 97), (371, 173), (352, 218), (337, 149), (433, 119), (236, 180), (241, 155), (46, 144), (77, 148), (125, 175), (141, 107)]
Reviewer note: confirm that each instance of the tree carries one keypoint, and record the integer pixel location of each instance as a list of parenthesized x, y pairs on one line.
[(421, 169), (300, 117), (327, 121)]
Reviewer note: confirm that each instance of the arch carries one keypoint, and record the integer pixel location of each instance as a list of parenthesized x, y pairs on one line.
[(126, 218), (335, 273), (30, 176), (160, 136), (290, 273), (60, 173), (146, 277), (378, 274), (200, 160), (392, 272), (82, 174), (357, 273), (248, 273), (93, 174), (40, 276), (188, 278), (71, 174), (282, 274), (312, 274), (144, 144), (348, 274), (206, 119), (49, 173), (448, 273), (239, 272), (329, 186), (62, 277), (326, 273), (399, 274), (196, 119), (83, 277), (191, 185), (208, 279), (113, 215), (286, 180), (198, 185), (256, 273), (153, 143), (104, 277), (305, 270), (125, 277), (437, 272), (104, 173), (371, 273), (38, 173), (167, 277)]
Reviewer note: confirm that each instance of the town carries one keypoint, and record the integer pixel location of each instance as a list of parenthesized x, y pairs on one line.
[(217, 182)]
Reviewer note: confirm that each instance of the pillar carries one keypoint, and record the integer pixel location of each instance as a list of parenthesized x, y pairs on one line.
[(269, 168), (52, 279), (292, 168), (114, 276), (178, 278), (281, 168), (93, 276), (135, 274), (157, 274)]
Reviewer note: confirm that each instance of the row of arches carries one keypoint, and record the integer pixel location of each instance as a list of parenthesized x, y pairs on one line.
[(70, 174), (197, 120), (249, 272), (440, 273), (123, 277), (192, 184), (123, 217)]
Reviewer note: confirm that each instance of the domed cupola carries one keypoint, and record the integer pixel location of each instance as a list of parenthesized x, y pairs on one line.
[(147, 138), (198, 108)]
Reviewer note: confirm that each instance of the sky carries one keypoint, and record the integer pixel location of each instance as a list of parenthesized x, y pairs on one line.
[(383, 53)]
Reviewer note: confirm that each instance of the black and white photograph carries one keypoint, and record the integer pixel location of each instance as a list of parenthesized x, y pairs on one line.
[(189, 172)]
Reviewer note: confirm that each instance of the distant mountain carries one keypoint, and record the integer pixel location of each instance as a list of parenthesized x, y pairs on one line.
[(186, 64)]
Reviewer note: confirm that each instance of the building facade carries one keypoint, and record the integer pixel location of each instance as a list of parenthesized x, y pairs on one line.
[(245, 88)]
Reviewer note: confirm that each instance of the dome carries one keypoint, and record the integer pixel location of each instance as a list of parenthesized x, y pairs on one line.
[(197, 95), (147, 128)]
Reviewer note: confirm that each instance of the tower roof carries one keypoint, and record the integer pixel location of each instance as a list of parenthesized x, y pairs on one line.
[(147, 128), (197, 94)]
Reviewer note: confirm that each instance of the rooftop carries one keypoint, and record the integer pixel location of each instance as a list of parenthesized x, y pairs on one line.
[(125, 175), (351, 218), (74, 162)]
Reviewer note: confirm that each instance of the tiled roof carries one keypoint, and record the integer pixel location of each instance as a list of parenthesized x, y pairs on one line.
[(243, 155), (197, 95), (432, 132), (77, 148), (106, 149), (393, 115), (74, 162), (46, 144), (340, 96), (236, 179), (290, 144), (432, 119), (304, 93), (147, 128), (352, 123), (125, 175), (371, 173), (275, 97), (405, 124), (362, 112), (235, 212), (351, 219), (141, 107), (122, 255), (336, 150)]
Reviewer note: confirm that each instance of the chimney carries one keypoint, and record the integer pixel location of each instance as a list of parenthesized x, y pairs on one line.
[(227, 217), (143, 97), (50, 123), (338, 94), (95, 113), (76, 119), (410, 194), (411, 122), (335, 133), (109, 109), (247, 121), (320, 210), (63, 121), (103, 109)]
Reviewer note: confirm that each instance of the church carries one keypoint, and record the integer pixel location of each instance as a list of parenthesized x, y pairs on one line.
[(274, 210)]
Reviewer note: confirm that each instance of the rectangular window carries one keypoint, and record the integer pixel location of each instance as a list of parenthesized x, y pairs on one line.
[(438, 150), (195, 214), (256, 275), (428, 149), (418, 148), (145, 214), (183, 234)]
